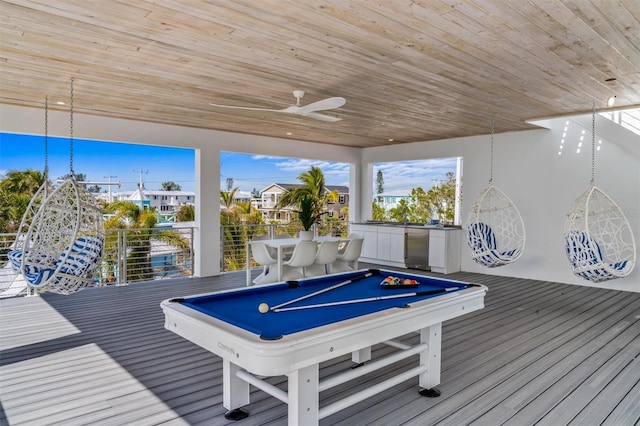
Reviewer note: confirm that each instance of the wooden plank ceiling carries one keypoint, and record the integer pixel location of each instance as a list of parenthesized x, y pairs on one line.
[(409, 70)]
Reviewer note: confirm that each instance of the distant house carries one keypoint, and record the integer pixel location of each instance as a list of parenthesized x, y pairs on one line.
[(164, 202), (270, 197), (389, 200)]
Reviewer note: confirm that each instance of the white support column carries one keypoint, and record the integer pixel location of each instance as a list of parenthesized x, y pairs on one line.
[(207, 188), (303, 396), (457, 219), (361, 179), (235, 391), (432, 336)]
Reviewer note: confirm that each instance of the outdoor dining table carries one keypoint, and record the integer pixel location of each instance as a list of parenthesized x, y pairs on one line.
[(280, 244)]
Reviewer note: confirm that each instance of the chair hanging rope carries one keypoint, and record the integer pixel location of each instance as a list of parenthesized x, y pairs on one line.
[(599, 242), (495, 229), (63, 246)]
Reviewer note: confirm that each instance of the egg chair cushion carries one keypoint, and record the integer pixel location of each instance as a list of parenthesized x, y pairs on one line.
[(482, 241), (77, 260), (586, 259)]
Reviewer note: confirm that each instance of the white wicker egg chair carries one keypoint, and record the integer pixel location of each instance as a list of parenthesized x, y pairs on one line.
[(599, 242), (495, 229), (62, 248)]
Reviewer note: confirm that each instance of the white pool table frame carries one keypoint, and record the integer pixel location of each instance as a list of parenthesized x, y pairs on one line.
[(298, 355)]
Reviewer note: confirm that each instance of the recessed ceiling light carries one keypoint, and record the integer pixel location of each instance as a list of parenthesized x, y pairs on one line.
[(60, 103), (288, 133), (390, 139), (611, 100)]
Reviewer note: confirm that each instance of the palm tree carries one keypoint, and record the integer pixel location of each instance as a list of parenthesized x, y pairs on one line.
[(22, 182), (235, 218), (139, 224), (313, 188), (227, 197)]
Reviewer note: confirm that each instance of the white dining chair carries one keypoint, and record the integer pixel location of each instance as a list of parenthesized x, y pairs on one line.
[(264, 257), (303, 256), (350, 255), (327, 253), (352, 236)]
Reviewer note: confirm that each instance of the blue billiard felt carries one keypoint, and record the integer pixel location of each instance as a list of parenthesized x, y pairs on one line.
[(240, 308)]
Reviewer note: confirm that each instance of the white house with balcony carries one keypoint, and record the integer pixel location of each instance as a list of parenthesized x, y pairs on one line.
[(165, 202), (271, 195)]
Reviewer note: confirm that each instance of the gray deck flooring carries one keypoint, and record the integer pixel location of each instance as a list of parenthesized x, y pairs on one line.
[(539, 353)]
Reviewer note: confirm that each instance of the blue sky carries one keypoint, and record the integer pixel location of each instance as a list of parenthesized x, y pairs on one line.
[(99, 160)]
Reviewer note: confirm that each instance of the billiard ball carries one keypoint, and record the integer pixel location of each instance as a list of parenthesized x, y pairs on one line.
[(263, 308)]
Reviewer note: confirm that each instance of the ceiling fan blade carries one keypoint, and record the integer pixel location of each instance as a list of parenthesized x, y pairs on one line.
[(322, 117), (246, 108), (329, 103)]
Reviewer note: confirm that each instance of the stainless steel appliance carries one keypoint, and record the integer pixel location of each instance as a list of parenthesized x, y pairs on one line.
[(416, 248)]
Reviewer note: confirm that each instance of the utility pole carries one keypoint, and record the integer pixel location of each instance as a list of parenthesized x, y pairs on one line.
[(140, 182), (109, 177)]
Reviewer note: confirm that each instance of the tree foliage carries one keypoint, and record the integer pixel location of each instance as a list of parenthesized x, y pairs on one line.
[(437, 202), (16, 190), (187, 213), (378, 212), (170, 186), (379, 182)]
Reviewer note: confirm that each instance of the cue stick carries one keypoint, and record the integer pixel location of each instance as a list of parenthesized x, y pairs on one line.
[(367, 299), (343, 283)]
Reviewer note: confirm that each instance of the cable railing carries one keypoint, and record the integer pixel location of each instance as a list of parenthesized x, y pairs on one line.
[(143, 254), (129, 256)]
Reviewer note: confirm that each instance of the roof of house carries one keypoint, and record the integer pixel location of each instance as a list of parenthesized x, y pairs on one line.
[(340, 188)]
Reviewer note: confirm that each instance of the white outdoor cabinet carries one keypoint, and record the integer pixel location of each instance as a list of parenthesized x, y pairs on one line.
[(383, 245), (370, 243), (391, 244), (444, 250)]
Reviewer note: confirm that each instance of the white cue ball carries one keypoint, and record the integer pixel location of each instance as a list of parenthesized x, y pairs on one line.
[(263, 308)]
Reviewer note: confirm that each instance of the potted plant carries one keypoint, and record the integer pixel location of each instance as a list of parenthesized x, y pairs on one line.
[(308, 215)]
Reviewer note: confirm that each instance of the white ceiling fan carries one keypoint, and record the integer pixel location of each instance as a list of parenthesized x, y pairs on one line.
[(306, 110)]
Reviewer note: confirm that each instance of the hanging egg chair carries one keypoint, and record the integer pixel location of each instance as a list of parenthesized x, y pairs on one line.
[(495, 230), (62, 249), (599, 242)]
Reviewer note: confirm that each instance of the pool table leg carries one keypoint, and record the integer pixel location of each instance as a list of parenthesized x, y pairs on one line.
[(304, 396), (361, 356), (235, 391), (428, 380)]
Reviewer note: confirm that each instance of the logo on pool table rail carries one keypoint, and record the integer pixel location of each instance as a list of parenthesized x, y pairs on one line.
[(227, 348)]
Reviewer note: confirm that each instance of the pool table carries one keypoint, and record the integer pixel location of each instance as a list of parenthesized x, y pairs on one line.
[(310, 321)]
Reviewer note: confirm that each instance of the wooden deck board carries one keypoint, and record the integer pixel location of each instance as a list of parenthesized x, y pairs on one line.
[(539, 352)]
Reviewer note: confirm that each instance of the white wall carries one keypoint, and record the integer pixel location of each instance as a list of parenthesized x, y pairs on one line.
[(543, 185)]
